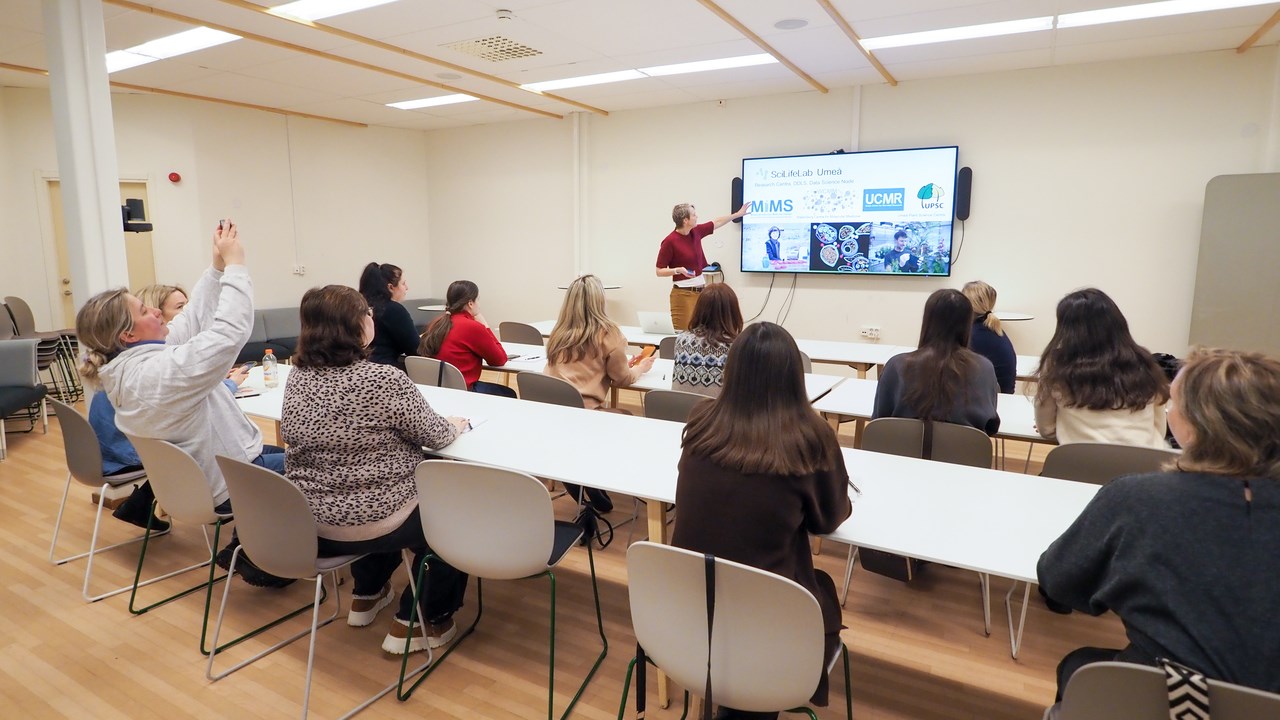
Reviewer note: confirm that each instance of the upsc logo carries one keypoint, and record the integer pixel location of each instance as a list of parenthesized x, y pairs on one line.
[(931, 196), (883, 199)]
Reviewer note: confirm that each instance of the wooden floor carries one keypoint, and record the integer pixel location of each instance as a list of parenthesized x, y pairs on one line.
[(918, 651)]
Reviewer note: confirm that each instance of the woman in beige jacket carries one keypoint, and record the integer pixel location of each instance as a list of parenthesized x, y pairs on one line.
[(586, 349)]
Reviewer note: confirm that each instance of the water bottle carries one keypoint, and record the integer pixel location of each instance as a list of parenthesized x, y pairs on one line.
[(270, 377)]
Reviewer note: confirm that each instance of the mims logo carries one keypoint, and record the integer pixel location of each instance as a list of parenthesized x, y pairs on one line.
[(931, 196), (771, 206)]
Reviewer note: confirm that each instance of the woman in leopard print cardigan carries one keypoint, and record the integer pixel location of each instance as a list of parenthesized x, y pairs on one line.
[(355, 432)]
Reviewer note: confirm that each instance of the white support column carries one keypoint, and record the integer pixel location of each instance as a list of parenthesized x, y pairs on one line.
[(85, 139)]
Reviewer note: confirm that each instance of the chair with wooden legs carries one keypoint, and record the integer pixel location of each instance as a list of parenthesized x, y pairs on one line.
[(1100, 463), (521, 333), (546, 389), (84, 464)]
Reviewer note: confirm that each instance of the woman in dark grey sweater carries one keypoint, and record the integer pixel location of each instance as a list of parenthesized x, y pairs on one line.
[(942, 380), (1188, 557)]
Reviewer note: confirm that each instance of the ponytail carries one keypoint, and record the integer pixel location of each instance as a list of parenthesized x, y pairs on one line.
[(460, 294), (99, 323), (374, 281)]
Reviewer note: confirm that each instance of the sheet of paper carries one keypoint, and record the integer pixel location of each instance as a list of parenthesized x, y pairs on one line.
[(696, 281)]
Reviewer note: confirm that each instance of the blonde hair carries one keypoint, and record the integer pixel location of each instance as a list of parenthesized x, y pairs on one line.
[(582, 324), (681, 212), (99, 323), (155, 295), (983, 299), (1231, 401)]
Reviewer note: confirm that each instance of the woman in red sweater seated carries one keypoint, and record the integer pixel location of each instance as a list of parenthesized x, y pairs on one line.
[(462, 338)]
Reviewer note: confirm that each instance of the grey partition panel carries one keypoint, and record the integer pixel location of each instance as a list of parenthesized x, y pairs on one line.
[(1237, 300)]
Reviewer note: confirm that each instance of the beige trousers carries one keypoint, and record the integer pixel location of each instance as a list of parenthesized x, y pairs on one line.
[(682, 302)]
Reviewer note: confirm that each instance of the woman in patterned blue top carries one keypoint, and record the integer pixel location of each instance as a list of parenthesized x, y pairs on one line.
[(701, 351)]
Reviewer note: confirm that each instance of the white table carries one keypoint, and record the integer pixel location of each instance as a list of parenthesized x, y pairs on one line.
[(860, 356), (532, 358), (855, 397), (933, 511), (941, 512), (606, 287), (1009, 316), (433, 308)]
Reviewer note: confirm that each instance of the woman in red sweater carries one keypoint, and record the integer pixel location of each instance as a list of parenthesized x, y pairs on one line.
[(462, 338)]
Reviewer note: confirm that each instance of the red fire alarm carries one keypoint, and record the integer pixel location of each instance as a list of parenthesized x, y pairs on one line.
[(175, 177)]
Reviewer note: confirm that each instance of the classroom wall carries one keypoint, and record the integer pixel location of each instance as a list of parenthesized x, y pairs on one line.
[(306, 192), (1084, 175)]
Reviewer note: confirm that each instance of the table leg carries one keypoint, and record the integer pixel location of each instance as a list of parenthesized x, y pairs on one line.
[(858, 426), (1015, 640), (862, 368), (657, 516), (833, 421), (613, 397), (984, 581)]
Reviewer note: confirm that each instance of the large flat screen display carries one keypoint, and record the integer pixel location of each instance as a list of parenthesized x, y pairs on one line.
[(887, 212)]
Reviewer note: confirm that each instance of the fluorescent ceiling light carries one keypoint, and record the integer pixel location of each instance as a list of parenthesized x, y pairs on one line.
[(969, 32), (123, 60), (166, 47), (317, 9), (184, 42), (598, 79), (1151, 10), (432, 102), (705, 65), (611, 77)]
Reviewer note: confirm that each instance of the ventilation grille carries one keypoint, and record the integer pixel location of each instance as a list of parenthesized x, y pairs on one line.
[(494, 48)]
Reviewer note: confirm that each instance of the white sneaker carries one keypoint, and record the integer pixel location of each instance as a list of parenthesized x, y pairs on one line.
[(365, 609), (437, 635)]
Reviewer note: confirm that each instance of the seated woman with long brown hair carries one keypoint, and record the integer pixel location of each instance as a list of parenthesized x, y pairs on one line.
[(703, 349), (463, 338), (355, 431), (1095, 382), (761, 471), (1187, 557), (942, 380), (586, 348)]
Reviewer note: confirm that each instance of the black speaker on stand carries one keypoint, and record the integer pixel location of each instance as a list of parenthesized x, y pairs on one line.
[(735, 197)]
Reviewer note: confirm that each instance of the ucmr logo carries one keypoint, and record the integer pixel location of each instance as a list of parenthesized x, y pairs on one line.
[(771, 206), (883, 199), (931, 196)]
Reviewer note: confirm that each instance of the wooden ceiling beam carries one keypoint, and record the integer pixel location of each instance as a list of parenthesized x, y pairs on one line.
[(737, 25), (204, 98), (857, 41), (1262, 30), (157, 12)]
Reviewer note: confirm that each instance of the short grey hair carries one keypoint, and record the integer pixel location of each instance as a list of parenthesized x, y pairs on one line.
[(681, 212)]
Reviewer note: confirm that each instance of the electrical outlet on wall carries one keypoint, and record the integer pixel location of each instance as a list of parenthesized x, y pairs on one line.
[(299, 269), (871, 332)]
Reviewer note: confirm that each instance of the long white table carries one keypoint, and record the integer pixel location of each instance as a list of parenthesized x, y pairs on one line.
[(532, 358), (933, 511), (855, 398), (857, 355)]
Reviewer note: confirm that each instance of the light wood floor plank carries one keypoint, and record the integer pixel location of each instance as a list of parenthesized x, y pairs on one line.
[(918, 651)]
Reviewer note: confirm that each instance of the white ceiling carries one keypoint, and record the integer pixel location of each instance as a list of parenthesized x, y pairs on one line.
[(582, 37)]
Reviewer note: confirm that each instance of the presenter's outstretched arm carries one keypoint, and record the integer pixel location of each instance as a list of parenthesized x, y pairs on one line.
[(726, 219)]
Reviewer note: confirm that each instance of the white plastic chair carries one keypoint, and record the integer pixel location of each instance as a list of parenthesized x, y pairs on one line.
[(275, 524), (766, 644), (460, 504), (1122, 691), (1100, 463), (546, 389), (84, 464), (436, 373), (181, 488), (673, 405), (521, 333)]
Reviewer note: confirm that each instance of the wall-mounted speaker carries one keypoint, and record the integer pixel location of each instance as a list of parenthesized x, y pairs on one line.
[(735, 197), (964, 191)]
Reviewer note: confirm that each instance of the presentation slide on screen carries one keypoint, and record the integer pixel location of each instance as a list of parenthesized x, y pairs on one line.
[(871, 212)]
